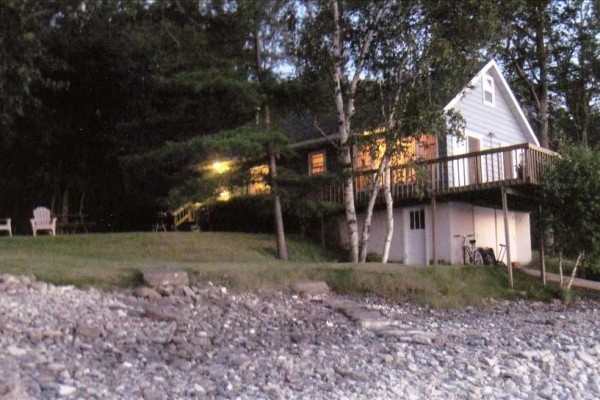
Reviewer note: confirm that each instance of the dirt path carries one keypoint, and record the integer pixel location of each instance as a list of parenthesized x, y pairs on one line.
[(577, 282)]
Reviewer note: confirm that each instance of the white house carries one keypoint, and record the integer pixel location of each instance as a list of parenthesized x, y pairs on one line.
[(494, 120), (469, 182)]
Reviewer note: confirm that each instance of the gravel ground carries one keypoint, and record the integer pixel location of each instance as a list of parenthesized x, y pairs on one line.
[(61, 342)]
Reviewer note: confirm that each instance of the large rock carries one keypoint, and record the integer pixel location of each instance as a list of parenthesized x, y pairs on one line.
[(162, 313), (89, 331), (311, 288), (147, 292), (14, 390), (161, 278)]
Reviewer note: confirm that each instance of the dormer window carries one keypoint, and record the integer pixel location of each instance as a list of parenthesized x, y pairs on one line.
[(316, 162), (489, 94)]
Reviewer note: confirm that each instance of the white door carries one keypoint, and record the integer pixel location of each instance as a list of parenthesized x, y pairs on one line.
[(415, 237)]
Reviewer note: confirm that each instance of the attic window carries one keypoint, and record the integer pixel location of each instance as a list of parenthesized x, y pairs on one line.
[(489, 94), (316, 162)]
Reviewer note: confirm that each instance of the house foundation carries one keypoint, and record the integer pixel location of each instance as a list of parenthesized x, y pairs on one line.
[(422, 237)]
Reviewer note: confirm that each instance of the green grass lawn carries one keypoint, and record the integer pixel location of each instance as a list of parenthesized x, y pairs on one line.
[(568, 264), (247, 262)]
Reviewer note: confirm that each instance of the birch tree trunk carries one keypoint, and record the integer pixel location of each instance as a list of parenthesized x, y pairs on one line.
[(366, 231), (560, 270), (389, 206), (577, 263), (344, 113), (384, 164), (345, 155)]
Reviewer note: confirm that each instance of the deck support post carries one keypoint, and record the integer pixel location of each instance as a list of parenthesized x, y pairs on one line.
[(433, 213), (507, 236), (541, 233)]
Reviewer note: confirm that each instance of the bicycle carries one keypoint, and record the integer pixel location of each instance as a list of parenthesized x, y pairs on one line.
[(474, 254)]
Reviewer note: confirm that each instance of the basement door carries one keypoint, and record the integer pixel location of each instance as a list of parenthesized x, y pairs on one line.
[(415, 237)]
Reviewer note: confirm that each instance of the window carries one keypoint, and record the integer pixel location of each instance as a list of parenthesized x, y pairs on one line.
[(316, 162), (417, 219), (258, 182), (489, 94)]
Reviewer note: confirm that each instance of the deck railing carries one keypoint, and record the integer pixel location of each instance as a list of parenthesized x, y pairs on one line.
[(521, 164), (184, 214)]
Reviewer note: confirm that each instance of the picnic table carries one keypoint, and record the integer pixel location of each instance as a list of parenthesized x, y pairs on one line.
[(73, 223)]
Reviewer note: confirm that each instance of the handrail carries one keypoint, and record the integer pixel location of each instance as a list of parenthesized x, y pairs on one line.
[(183, 214), (505, 149), (182, 208), (515, 165), (542, 150)]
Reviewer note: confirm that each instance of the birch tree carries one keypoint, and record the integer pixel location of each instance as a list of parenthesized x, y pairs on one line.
[(420, 65), (344, 98)]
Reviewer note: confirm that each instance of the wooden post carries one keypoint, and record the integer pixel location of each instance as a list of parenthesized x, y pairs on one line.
[(507, 235), (542, 249), (433, 212), (322, 231)]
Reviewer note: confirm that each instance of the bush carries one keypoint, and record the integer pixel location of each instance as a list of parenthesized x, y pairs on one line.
[(374, 257), (239, 214)]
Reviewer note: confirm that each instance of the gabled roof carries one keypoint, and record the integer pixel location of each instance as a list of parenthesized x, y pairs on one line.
[(486, 69), (509, 95)]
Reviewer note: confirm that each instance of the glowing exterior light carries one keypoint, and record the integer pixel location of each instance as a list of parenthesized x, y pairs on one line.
[(220, 167), (224, 195)]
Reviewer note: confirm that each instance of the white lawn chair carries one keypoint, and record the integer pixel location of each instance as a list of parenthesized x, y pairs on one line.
[(42, 221), (6, 226)]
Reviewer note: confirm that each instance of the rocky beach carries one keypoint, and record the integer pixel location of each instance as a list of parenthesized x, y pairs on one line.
[(204, 341)]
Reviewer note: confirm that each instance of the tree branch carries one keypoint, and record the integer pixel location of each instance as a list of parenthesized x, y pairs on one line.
[(187, 15), (521, 73), (322, 132), (360, 64), (166, 28)]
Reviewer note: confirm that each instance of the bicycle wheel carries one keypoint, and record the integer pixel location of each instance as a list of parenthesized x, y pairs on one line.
[(477, 258)]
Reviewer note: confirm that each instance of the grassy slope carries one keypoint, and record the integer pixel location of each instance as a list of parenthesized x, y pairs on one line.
[(114, 259), (245, 262)]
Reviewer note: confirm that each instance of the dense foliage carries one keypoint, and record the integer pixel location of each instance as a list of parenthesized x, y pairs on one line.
[(572, 203), (104, 104)]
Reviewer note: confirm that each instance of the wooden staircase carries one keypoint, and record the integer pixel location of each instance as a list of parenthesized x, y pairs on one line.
[(185, 216)]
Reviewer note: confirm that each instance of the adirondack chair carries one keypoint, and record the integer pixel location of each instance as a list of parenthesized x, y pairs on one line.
[(6, 226), (42, 221)]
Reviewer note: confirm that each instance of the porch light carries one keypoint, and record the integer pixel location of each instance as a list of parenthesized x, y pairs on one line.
[(220, 167), (224, 195)]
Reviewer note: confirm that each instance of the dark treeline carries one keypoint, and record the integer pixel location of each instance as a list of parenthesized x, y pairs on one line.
[(101, 102)]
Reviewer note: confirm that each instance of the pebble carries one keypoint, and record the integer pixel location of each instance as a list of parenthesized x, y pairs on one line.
[(66, 390), (205, 342), (16, 351)]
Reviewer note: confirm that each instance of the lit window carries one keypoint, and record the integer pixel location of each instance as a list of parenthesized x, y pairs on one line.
[(316, 163), (489, 94), (258, 182)]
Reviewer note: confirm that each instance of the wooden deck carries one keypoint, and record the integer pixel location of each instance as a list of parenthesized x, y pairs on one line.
[(511, 166)]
